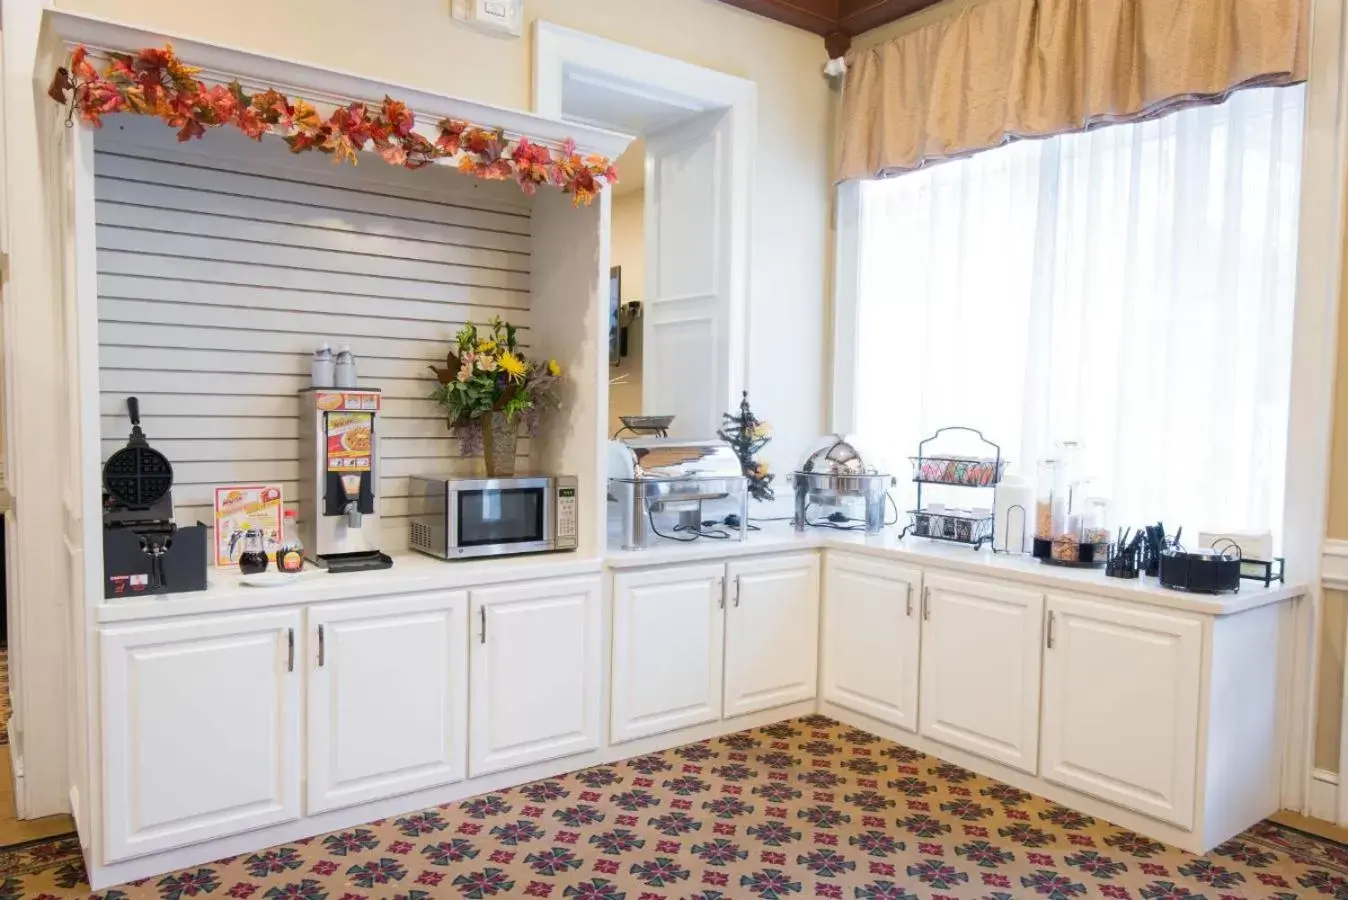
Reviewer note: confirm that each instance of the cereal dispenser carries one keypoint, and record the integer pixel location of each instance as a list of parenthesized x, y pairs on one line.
[(339, 479)]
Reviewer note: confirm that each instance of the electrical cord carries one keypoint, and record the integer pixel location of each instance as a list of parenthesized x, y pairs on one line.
[(836, 520), (693, 532)]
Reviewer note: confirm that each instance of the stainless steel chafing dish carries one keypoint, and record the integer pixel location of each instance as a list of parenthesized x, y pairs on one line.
[(650, 477), (833, 473)]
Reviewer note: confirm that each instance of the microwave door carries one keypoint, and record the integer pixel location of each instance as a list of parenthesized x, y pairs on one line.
[(494, 519)]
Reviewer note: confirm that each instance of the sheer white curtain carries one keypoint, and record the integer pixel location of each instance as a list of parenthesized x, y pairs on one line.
[(1130, 288)]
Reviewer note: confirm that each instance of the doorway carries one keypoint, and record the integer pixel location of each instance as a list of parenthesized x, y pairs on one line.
[(682, 298)]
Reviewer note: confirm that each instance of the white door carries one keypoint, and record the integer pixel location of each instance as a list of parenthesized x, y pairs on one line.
[(535, 672), (388, 697), (201, 730), (668, 643), (1121, 691), (687, 362), (872, 633), (981, 654), (772, 632)]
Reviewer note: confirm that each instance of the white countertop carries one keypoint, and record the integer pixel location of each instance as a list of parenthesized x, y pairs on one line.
[(414, 572), (780, 537), (411, 572)]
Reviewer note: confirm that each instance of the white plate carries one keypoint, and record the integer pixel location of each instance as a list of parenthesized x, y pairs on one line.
[(269, 579)]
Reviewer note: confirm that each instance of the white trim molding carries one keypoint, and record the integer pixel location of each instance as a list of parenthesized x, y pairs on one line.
[(562, 53), (1334, 565)]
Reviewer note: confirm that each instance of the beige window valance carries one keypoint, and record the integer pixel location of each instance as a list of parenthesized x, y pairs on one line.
[(998, 70)]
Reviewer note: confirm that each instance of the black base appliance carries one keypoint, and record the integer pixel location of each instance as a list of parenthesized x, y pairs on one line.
[(1202, 572), (143, 551)]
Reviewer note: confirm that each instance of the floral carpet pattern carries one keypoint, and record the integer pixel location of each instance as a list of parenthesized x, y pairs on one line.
[(804, 808)]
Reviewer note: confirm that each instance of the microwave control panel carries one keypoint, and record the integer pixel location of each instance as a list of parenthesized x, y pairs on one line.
[(566, 516)]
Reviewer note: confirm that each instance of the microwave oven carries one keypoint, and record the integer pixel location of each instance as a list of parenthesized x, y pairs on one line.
[(466, 518)]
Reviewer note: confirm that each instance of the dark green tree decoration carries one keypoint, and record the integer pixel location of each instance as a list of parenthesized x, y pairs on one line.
[(747, 435)]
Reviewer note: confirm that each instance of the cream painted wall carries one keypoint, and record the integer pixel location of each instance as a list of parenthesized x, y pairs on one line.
[(629, 251), (1329, 703), (415, 42)]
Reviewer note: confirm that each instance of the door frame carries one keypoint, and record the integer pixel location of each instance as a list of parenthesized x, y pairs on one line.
[(695, 88)]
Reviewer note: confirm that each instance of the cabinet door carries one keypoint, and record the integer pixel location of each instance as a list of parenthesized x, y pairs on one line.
[(772, 632), (535, 672), (388, 697), (201, 722), (668, 643), (872, 632), (981, 656), (1121, 690)]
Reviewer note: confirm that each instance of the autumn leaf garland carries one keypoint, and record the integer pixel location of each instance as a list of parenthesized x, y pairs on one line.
[(154, 82)]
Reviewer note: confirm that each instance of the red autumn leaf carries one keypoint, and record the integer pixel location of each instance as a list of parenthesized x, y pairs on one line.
[(80, 65), (398, 116), (451, 136), (191, 129), (394, 154)]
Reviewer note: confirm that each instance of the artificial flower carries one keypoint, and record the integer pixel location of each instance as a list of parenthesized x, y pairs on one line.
[(465, 371), (487, 346), (553, 368), (486, 363), (513, 365)]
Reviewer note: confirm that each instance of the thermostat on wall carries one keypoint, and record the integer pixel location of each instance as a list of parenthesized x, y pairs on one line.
[(504, 17)]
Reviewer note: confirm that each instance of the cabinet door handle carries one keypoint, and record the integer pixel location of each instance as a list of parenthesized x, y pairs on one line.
[(720, 592), (321, 647), (926, 604), (908, 602), (290, 649), (737, 591), (1050, 629), (482, 614)]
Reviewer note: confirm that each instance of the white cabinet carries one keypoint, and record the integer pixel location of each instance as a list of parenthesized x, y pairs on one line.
[(981, 654), (872, 634), (201, 730), (695, 643), (535, 672), (1121, 707), (668, 642), (388, 697), (772, 632)]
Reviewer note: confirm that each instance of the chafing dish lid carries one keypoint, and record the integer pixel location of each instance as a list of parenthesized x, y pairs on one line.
[(838, 455), (667, 459)]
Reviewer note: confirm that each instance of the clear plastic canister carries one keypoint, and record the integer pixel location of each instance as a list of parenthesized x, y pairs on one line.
[(1043, 499)]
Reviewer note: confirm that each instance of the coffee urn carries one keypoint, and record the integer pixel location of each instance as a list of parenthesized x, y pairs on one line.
[(339, 479)]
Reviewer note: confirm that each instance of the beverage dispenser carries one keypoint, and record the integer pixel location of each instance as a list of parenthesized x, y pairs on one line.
[(339, 479)]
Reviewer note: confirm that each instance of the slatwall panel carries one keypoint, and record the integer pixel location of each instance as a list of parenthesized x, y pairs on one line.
[(217, 277)]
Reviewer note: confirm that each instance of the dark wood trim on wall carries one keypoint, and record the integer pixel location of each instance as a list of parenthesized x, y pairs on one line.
[(818, 16), (837, 21)]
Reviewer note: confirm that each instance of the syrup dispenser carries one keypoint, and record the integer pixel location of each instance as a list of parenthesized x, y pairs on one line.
[(339, 479)]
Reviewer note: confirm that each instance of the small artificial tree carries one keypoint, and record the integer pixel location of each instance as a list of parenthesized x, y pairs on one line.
[(747, 435)]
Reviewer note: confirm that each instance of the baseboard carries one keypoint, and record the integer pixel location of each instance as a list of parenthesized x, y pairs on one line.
[(1324, 796), (1334, 565)]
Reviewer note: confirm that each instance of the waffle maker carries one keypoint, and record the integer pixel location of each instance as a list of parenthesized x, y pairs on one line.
[(143, 551)]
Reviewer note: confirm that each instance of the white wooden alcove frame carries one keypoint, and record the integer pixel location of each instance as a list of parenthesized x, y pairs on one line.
[(67, 159)]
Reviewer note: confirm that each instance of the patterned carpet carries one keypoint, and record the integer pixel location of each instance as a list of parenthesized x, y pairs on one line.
[(806, 808)]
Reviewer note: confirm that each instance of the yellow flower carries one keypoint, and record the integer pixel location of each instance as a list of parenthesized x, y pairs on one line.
[(553, 369), (486, 346), (513, 365), (760, 470)]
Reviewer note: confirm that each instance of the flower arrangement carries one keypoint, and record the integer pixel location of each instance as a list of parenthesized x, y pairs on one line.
[(489, 388), (154, 82)]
